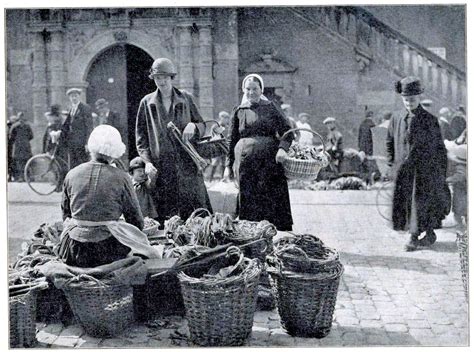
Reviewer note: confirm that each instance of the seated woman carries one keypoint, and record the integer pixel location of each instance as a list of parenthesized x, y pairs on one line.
[(95, 196)]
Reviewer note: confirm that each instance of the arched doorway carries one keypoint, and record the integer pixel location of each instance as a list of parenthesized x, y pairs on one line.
[(120, 75)]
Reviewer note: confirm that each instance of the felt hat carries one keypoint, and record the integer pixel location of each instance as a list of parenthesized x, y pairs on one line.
[(329, 119), (74, 90), (162, 66), (409, 86)]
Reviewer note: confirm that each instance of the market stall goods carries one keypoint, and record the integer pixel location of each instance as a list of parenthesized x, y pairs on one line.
[(304, 162), (220, 302), (306, 277)]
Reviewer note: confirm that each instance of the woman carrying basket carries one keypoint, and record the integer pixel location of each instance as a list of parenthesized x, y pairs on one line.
[(255, 156), (95, 195)]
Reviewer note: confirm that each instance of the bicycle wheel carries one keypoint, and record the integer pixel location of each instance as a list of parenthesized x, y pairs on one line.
[(383, 200), (43, 174)]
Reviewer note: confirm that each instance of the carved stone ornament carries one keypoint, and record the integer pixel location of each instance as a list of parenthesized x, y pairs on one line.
[(363, 59), (77, 39), (120, 36), (270, 64)]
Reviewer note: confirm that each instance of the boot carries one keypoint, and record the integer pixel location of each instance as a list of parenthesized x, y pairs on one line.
[(429, 239), (413, 243)]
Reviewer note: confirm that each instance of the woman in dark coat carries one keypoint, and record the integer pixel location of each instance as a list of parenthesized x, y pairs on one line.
[(418, 156), (255, 154), (179, 187)]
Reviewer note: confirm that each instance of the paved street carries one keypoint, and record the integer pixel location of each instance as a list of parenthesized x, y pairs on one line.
[(387, 297)]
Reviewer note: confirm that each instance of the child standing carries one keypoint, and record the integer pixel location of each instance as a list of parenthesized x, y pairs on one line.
[(143, 184)]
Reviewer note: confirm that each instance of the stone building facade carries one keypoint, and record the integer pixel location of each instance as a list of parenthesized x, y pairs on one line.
[(326, 61)]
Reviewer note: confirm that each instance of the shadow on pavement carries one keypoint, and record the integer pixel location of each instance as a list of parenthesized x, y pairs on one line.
[(447, 247), (405, 263), (363, 337)]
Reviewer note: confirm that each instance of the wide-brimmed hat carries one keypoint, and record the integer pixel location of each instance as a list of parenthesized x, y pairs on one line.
[(409, 86), (329, 119), (106, 140), (74, 90), (54, 110), (136, 163)]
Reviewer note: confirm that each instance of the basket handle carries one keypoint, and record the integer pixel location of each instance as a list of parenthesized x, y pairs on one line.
[(199, 211), (307, 130), (295, 248)]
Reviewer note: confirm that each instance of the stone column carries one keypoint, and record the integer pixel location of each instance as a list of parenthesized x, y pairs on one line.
[(56, 59), (40, 92), (186, 80), (206, 94)]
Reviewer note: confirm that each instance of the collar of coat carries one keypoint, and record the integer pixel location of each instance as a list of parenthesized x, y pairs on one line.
[(247, 104), (178, 97)]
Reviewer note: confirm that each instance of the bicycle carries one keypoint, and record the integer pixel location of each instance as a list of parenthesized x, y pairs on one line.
[(44, 173), (384, 195)]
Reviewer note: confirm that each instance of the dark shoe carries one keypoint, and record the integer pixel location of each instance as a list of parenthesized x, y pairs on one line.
[(429, 239), (412, 244)]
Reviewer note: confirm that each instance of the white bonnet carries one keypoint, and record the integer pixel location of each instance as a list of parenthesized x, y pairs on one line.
[(106, 140)]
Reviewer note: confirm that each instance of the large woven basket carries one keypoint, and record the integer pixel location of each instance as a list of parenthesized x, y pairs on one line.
[(103, 309), (306, 277), (220, 311), (22, 320), (463, 248), (299, 169)]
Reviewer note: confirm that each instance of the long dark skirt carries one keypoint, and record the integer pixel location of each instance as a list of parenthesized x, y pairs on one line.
[(263, 188), (91, 254)]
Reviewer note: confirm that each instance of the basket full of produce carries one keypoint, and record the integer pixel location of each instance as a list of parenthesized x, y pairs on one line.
[(306, 277), (304, 162), (220, 302)]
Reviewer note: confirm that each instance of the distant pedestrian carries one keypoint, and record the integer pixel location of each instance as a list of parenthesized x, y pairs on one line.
[(76, 129), (443, 120), (457, 154), (11, 120), (334, 144), (218, 163), (417, 154), (305, 138), (366, 144), (19, 138), (53, 130), (104, 115)]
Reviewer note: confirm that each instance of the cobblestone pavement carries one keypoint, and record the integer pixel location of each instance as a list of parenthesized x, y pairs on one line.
[(387, 297)]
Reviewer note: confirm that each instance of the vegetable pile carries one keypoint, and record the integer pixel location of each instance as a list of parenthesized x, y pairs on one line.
[(303, 152)]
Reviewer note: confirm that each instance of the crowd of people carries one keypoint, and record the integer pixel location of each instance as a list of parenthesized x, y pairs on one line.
[(165, 180)]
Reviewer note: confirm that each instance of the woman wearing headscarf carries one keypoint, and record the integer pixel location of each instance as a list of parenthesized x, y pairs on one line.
[(95, 195), (179, 188), (255, 154)]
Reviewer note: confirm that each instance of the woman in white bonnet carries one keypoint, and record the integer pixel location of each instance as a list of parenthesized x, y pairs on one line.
[(95, 195)]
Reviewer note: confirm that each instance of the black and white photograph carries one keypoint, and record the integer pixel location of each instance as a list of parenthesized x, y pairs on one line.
[(236, 175)]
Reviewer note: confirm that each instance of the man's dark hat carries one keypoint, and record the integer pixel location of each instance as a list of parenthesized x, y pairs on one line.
[(409, 86), (136, 163), (54, 110), (101, 102)]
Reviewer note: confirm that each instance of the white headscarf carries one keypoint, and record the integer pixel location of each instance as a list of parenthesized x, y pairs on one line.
[(245, 101), (106, 140)]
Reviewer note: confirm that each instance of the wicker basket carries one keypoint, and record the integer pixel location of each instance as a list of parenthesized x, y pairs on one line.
[(306, 301), (22, 320), (306, 277), (299, 169), (101, 308), (220, 311), (463, 247)]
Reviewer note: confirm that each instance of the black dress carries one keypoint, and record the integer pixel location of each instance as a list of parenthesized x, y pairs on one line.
[(263, 188)]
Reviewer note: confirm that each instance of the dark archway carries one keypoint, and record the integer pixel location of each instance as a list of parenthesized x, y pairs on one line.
[(120, 75)]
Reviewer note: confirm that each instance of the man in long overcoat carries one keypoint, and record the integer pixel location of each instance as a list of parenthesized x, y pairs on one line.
[(76, 129), (180, 187), (418, 157), (20, 136)]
